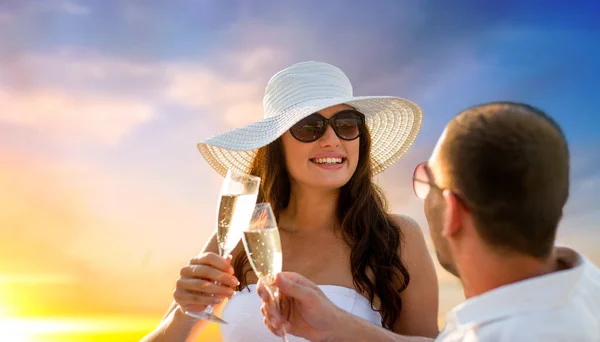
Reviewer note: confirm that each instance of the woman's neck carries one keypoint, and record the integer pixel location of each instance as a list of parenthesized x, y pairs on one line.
[(309, 209)]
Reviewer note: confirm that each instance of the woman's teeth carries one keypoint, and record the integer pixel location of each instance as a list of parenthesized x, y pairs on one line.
[(328, 160)]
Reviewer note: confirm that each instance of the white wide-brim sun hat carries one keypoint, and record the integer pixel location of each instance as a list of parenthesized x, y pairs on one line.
[(306, 88)]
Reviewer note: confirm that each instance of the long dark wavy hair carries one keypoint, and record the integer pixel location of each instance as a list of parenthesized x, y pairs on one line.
[(366, 227)]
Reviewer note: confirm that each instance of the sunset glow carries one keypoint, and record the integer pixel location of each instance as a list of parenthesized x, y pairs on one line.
[(103, 194)]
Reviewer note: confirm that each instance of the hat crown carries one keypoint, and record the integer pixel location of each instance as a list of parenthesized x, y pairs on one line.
[(303, 82)]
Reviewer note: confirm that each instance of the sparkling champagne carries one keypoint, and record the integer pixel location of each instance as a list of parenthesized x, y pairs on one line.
[(235, 212), (263, 248)]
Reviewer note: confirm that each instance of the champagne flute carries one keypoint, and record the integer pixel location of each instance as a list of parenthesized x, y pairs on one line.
[(238, 199), (263, 247)]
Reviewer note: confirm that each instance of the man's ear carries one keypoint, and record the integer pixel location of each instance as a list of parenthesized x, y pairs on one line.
[(452, 214)]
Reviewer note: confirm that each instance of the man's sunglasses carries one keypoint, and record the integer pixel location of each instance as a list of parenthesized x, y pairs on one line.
[(422, 185), (347, 125)]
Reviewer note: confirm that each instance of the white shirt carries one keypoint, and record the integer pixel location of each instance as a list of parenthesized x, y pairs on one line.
[(560, 306)]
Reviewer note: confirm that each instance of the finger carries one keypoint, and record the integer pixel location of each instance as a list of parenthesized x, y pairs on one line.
[(287, 326), (266, 317), (263, 310), (208, 273), (296, 286), (285, 305), (204, 286), (296, 278), (265, 296), (272, 328), (185, 298), (273, 311), (262, 291), (270, 310), (214, 260)]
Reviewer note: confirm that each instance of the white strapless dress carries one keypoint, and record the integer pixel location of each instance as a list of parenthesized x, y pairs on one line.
[(242, 312)]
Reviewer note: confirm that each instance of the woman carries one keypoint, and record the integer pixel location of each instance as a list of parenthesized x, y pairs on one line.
[(316, 152)]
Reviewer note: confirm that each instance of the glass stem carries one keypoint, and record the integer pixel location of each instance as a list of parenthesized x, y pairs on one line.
[(274, 294)]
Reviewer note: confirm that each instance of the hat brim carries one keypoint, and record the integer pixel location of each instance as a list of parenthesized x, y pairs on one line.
[(393, 122)]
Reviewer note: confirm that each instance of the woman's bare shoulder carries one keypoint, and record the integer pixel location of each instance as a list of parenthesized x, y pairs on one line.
[(413, 247), (409, 227), (420, 298)]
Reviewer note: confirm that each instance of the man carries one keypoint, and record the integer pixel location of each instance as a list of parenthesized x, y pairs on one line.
[(494, 190)]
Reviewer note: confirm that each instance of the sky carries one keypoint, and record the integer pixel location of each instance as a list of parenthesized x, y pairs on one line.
[(103, 195)]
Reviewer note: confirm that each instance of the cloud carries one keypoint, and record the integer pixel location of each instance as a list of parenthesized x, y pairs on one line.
[(256, 60), (76, 69), (231, 88), (202, 88), (76, 95), (6, 17), (227, 85), (75, 8), (25, 10), (74, 117)]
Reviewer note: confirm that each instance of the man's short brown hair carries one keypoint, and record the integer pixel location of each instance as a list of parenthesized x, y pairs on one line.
[(510, 164)]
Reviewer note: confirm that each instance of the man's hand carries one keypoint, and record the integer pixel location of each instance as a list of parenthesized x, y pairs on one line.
[(305, 310)]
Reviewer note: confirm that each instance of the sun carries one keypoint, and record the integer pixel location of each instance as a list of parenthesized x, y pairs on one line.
[(9, 331), (14, 330), (3, 311), (5, 308), (8, 307)]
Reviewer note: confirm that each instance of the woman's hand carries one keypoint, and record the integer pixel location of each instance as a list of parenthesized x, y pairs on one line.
[(207, 280)]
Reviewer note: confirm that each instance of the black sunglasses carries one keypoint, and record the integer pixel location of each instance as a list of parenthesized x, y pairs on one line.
[(347, 125)]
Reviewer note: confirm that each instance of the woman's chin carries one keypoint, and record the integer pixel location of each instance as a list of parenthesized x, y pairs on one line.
[(329, 182)]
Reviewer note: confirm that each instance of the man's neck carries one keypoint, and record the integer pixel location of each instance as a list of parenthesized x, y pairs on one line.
[(491, 270)]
